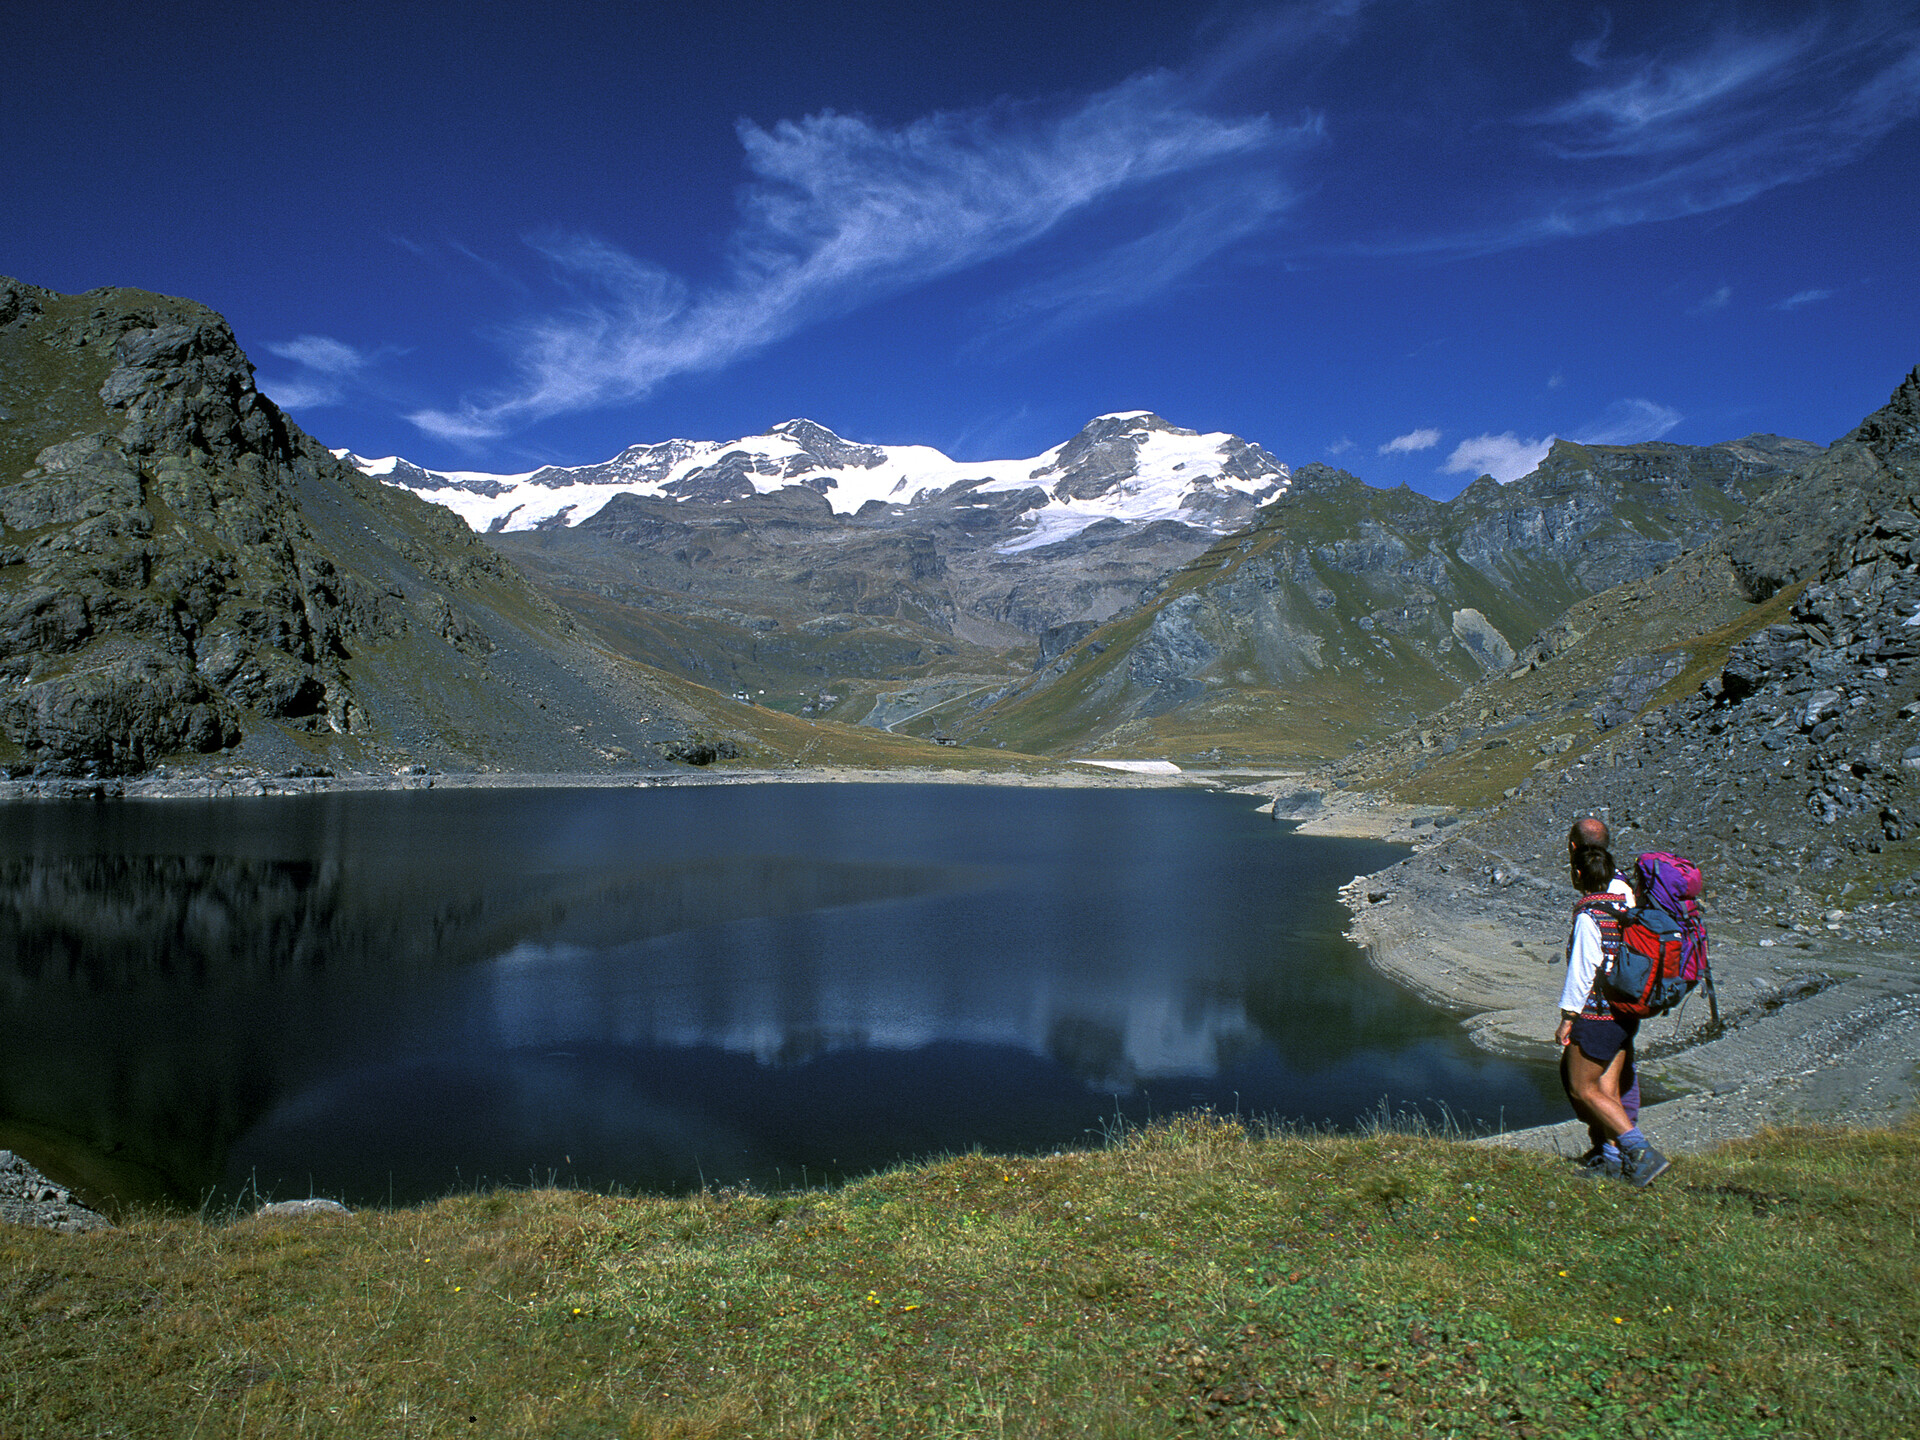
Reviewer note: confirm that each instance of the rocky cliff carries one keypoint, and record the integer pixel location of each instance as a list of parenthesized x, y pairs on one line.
[(185, 574)]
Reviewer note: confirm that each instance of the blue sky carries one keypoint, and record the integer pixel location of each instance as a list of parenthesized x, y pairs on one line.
[(1414, 239)]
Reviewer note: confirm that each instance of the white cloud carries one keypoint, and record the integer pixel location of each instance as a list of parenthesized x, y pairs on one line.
[(329, 365), (1340, 446), (318, 352), (1411, 441), (1716, 301), (841, 211), (1804, 297), (1556, 380), (1628, 422), (1506, 457), (307, 394)]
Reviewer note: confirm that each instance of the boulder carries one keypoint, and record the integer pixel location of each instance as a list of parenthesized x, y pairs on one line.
[(1481, 640)]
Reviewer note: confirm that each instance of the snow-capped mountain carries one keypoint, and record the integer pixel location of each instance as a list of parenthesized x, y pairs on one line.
[(1132, 467)]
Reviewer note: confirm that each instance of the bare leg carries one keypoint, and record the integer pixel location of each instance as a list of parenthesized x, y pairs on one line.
[(1596, 1134), (1595, 1090)]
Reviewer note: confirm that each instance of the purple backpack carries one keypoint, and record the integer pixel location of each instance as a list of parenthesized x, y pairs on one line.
[(1673, 883)]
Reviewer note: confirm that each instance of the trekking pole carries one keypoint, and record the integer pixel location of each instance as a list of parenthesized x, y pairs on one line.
[(1713, 995)]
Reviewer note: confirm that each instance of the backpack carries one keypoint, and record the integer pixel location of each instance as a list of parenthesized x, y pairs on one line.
[(1663, 942), (1673, 883)]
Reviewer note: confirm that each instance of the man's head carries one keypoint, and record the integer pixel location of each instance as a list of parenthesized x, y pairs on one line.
[(1589, 832)]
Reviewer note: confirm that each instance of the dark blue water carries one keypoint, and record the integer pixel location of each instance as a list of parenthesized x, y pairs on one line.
[(390, 996)]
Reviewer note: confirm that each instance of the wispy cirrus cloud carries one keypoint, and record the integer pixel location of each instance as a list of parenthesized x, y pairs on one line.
[(1410, 442), (1717, 299), (1684, 129), (1683, 134), (1132, 192), (841, 211), (1629, 422), (326, 368), (1208, 220), (1803, 297), (1663, 105)]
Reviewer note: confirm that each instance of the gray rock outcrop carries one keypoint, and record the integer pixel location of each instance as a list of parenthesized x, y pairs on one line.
[(29, 1198)]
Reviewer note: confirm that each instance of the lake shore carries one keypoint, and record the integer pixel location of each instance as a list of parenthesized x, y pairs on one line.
[(1820, 1025), (249, 783)]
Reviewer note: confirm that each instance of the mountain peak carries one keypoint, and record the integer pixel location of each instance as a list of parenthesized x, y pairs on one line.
[(1133, 422), (1129, 466), (819, 443), (803, 430)]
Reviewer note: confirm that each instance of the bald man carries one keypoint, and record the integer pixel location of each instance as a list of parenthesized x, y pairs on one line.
[(1589, 832)]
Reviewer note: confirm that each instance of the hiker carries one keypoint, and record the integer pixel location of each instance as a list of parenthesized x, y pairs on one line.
[(1591, 831), (1595, 1045)]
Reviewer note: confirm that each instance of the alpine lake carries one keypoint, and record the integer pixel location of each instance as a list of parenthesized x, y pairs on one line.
[(386, 997)]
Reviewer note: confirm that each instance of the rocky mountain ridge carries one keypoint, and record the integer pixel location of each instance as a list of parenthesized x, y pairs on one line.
[(796, 566), (1346, 610), (757, 572)]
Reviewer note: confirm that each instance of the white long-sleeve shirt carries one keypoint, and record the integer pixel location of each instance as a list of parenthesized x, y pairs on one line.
[(1584, 953)]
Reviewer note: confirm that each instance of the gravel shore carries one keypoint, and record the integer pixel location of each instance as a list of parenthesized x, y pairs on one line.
[(1820, 1025)]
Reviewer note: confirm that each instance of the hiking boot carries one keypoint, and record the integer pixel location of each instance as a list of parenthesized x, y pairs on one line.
[(1642, 1165), (1596, 1164)]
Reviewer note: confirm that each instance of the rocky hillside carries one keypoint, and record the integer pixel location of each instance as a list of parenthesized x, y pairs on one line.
[(186, 576), (1755, 704), (1345, 611), (1139, 590)]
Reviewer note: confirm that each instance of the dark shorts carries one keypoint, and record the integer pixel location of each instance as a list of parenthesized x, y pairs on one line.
[(1601, 1040)]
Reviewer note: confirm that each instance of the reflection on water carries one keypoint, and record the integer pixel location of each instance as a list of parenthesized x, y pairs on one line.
[(392, 995)]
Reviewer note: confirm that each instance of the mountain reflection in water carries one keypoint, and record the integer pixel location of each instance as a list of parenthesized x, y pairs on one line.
[(381, 996)]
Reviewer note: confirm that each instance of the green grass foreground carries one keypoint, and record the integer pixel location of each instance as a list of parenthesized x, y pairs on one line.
[(1190, 1278)]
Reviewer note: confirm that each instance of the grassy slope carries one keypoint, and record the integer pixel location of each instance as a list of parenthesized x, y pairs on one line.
[(1189, 1278), (1314, 717)]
